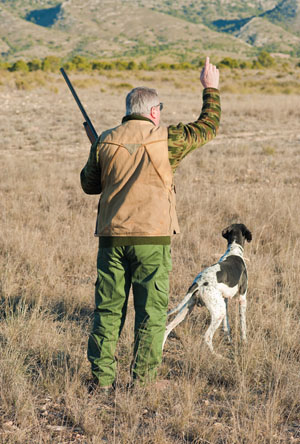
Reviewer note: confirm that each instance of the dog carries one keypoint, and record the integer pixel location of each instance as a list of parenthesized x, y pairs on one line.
[(216, 284)]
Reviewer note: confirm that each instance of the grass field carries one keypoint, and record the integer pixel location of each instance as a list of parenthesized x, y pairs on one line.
[(250, 173)]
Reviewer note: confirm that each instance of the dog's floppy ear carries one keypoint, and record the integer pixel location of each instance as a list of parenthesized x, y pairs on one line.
[(226, 231), (247, 234)]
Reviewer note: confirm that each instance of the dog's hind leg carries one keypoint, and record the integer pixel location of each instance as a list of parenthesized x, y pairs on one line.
[(216, 305)]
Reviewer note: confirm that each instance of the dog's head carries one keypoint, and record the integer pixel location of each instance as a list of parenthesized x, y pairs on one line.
[(237, 233)]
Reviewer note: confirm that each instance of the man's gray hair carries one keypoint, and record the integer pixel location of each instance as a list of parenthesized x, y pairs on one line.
[(140, 100)]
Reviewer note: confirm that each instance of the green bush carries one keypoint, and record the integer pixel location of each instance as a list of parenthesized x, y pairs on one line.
[(183, 66), (99, 65), (120, 65), (51, 63), (132, 65), (34, 64), (256, 64), (144, 66), (265, 59), (228, 62), (174, 66), (245, 65), (81, 63), (69, 66), (162, 65), (19, 65)]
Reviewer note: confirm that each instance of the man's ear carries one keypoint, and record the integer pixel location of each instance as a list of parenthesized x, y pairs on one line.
[(154, 115), (154, 112)]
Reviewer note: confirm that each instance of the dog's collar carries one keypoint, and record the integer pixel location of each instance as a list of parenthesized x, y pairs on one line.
[(235, 245), (233, 248)]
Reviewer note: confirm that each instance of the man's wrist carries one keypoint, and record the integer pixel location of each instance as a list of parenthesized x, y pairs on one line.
[(210, 89)]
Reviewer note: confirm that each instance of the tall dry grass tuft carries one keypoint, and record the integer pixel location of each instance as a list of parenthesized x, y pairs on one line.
[(47, 274)]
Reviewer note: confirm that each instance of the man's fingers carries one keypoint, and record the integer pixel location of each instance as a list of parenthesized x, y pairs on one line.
[(209, 76), (206, 66)]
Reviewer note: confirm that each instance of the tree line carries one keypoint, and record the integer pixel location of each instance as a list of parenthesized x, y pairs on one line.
[(81, 63)]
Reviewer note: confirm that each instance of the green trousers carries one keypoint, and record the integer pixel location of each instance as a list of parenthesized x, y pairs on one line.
[(146, 268)]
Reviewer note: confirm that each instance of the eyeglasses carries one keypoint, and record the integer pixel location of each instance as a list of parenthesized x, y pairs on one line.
[(161, 105)]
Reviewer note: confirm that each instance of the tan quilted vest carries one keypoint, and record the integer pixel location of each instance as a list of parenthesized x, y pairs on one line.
[(138, 197)]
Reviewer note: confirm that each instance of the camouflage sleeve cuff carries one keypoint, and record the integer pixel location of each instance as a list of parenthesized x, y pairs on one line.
[(184, 138)]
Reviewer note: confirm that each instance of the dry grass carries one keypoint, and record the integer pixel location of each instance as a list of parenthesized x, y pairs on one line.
[(250, 173)]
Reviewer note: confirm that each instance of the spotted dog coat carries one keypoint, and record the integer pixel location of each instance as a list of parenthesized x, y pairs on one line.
[(216, 284)]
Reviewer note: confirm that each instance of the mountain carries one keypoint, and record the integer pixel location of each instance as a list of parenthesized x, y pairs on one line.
[(277, 29), (170, 30), (261, 33), (286, 14)]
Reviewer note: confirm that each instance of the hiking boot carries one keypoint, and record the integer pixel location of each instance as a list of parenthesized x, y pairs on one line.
[(95, 388)]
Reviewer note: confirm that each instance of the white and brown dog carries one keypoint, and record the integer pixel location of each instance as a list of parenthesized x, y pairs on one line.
[(216, 284)]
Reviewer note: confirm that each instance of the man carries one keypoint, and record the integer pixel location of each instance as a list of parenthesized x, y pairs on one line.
[(132, 167)]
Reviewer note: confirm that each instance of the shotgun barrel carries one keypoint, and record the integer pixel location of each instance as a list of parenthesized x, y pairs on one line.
[(86, 117)]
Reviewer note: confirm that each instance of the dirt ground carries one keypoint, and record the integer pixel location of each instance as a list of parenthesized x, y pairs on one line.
[(250, 173)]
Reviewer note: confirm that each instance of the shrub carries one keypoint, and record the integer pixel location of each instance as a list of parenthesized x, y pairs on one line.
[(162, 65), (132, 65), (81, 63), (99, 65), (20, 65), (120, 65), (228, 62), (256, 64), (183, 65), (174, 66), (34, 65), (143, 66), (69, 66), (245, 65), (51, 63), (265, 59)]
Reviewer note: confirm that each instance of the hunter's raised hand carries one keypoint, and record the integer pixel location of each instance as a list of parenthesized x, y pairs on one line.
[(209, 76)]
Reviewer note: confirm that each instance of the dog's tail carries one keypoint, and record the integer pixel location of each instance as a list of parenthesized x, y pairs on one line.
[(187, 297)]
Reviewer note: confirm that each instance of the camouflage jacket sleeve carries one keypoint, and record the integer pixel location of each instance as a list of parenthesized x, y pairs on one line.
[(90, 176), (182, 139)]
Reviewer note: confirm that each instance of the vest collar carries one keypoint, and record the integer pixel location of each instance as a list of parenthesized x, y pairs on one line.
[(135, 117)]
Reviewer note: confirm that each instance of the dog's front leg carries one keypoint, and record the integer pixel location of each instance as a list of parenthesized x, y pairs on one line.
[(226, 327), (243, 308)]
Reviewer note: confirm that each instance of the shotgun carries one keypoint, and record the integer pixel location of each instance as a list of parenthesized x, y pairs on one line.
[(86, 117)]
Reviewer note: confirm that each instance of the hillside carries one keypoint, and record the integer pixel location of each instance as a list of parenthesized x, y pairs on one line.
[(116, 29), (177, 31), (277, 29), (287, 15), (260, 32)]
